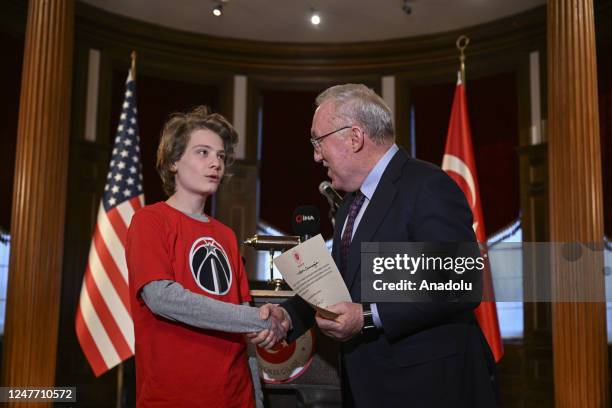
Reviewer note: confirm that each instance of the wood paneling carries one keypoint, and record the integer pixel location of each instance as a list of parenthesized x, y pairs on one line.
[(536, 376), (492, 107), (236, 207), (88, 165)]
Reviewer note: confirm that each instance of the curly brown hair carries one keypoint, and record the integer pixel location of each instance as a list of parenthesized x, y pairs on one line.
[(175, 137)]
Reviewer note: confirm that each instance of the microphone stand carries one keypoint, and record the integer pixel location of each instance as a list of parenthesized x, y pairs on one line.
[(332, 216), (333, 205)]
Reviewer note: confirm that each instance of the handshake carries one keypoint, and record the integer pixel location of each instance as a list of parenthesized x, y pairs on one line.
[(280, 325), (347, 323)]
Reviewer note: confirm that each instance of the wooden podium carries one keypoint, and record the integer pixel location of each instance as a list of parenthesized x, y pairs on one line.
[(317, 385)]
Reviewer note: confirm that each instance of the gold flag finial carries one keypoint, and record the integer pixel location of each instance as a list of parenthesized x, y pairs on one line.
[(462, 43), (133, 67)]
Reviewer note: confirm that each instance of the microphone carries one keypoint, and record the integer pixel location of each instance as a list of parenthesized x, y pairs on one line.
[(306, 221), (331, 194)]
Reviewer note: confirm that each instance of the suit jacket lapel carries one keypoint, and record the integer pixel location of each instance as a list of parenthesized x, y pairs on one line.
[(374, 215)]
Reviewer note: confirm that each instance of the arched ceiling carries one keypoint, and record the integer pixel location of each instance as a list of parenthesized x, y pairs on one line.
[(342, 20)]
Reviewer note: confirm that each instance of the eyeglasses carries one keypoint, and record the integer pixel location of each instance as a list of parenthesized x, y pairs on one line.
[(316, 141)]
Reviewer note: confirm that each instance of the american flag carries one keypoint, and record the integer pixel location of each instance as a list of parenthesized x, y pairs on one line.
[(104, 324)]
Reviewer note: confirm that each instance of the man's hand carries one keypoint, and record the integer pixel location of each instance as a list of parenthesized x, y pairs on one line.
[(346, 325), (281, 323)]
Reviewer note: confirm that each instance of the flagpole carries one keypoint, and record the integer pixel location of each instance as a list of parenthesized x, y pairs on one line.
[(120, 367), (462, 43), (119, 403), (133, 67)]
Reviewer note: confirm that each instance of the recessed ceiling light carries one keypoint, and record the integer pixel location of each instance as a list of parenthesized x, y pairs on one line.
[(315, 18), (217, 10)]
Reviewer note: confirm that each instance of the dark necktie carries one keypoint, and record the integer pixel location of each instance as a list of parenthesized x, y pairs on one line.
[(345, 242)]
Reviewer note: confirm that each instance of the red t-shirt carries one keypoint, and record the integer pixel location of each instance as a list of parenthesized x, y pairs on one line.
[(179, 365)]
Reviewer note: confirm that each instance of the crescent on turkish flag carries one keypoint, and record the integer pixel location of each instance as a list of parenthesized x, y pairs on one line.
[(460, 165)]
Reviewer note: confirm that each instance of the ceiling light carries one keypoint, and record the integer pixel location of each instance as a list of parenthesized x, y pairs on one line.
[(217, 10), (315, 18)]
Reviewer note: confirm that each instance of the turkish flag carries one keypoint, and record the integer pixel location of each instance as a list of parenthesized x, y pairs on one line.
[(460, 165)]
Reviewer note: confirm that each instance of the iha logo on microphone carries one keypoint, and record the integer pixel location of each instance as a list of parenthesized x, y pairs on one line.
[(304, 217), (210, 266)]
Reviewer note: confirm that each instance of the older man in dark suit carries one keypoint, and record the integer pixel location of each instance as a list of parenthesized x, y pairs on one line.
[(393, 354)]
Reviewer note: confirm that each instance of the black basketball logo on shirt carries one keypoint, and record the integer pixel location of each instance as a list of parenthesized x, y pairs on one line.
[(210, 266)]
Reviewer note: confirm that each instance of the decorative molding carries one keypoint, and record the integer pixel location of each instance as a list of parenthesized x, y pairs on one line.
[(104, 30), (388, 92), (240, 114)]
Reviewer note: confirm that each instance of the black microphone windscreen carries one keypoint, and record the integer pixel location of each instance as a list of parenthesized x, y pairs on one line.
[(306, 220)]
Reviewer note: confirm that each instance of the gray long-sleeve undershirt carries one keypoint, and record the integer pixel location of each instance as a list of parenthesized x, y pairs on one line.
[(171, 300)]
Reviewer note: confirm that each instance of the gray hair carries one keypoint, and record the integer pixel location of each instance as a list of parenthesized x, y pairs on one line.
[(358, 103)]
